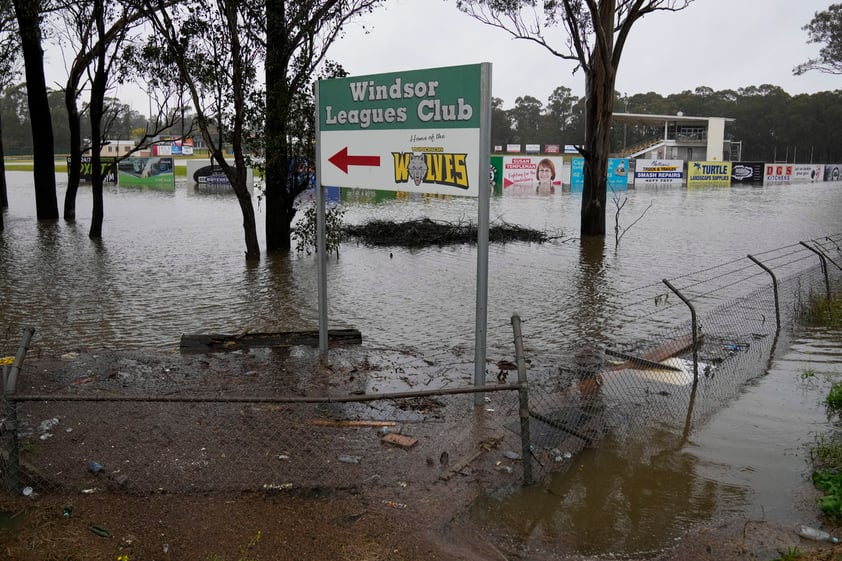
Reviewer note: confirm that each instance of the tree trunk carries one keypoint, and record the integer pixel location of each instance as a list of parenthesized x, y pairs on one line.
[(98, 87), (249, 222), (4, 195), (74, 167), (44, 174), (598, 112), (279, 207)]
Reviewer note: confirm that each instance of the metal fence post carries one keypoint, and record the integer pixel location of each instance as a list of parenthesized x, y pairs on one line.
[(774, 288), (523, 394), (824, 267), (693, 327), (9, 412)]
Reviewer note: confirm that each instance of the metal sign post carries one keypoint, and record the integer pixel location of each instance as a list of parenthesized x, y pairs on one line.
[(321, 241), (419, 131)]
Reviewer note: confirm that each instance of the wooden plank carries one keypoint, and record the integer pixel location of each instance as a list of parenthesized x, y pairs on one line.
[(226, 342), (399, 440), (484, 446), (653, 357), (350, 423), (638, 361)]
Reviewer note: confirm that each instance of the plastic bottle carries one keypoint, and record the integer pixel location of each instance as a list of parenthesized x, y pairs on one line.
[(816, 534)]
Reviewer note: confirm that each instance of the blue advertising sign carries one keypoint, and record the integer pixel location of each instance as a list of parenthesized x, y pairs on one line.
[(617, 178)]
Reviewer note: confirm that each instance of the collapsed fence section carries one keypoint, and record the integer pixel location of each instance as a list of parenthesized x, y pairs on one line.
[(678, 375)]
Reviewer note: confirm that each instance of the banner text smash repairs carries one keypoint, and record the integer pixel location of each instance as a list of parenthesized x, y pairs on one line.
[(429, 108)]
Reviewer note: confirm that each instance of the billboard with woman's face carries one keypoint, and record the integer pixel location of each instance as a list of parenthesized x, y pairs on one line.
[(533, 174)]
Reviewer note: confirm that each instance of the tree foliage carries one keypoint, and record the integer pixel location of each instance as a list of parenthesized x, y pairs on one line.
[(825, 29)]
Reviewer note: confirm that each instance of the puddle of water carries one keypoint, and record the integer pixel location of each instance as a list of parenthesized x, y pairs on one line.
[(634, 495)]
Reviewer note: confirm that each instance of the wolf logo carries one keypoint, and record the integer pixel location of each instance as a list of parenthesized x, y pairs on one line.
[(417, 168)]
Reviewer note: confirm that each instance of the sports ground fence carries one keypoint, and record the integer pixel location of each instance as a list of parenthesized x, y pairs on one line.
[(708, 333)]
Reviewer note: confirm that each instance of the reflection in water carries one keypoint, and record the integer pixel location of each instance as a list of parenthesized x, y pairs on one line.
[(633, 497)]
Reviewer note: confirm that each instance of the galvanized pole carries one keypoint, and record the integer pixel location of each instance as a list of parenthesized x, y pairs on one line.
[(9, 412), (774, 289), (482, 231), (523, 394), (694, 329), (823, 262), (321, 237)]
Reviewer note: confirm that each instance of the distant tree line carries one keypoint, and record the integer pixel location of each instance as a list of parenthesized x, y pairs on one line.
[(126, 124), (771, 124)]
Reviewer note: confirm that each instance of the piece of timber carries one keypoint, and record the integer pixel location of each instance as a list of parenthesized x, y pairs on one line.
[(223, 342), (653, 357)]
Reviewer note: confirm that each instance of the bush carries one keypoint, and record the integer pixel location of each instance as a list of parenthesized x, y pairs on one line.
[(305, 233)]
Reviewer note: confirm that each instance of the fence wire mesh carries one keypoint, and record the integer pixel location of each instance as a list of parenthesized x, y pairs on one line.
[(270, 420), (613, 382)]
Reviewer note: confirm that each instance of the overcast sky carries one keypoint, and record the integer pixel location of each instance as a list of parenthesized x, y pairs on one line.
[(722, 44)]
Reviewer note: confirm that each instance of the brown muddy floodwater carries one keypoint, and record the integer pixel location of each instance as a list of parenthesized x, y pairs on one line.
[(172, 263)]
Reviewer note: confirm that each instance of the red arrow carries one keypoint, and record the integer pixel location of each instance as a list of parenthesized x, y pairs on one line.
[(342, 160)]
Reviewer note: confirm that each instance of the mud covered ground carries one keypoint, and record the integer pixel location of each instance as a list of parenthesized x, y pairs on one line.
[(408, 512)]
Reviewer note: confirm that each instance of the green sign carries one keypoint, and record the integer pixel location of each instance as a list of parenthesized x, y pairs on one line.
[(419, 99), (416, 131)]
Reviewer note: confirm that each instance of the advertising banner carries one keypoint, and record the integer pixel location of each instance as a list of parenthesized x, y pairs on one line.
[(777, 174), (513, 148), (832, 172), (807, 173), (495, 174), (533, 148), (203, 174), (746, 173), (416, 131), (173, 147), (552, 149), (107, 166), (153, 172), (536, 174), (659, 171), (709, 174), (617, 180)]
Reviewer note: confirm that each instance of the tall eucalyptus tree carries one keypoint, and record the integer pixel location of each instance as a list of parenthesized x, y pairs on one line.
[(298, 36), (9, 71), (216, 49), (28, 14), (595, 33), (78, 32)]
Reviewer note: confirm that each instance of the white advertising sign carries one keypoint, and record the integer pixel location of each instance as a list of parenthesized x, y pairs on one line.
[(659, 171)]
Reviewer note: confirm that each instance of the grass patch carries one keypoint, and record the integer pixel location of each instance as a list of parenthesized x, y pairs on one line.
[(791, 554), (823, 312), (826, 454), (833, 401)]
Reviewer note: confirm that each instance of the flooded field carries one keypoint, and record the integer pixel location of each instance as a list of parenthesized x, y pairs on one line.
[(172, 263)]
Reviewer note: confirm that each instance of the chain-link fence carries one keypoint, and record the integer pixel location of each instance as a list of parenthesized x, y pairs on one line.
[(680, 374), (139, 426)]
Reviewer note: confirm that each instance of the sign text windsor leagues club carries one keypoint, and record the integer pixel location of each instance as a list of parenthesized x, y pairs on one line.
[(424, 123)]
